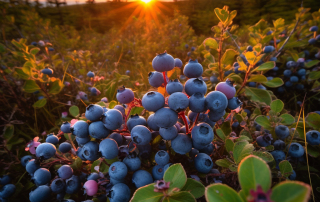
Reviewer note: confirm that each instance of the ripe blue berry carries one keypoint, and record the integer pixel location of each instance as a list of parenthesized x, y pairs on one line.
[(157, 172), (234, 103), (203, 163), (155, 79), (195, 85), (282, 131), (112, 119), (52, 138), (249, 48), (178, 101), (279, 145), (295, 150), (90, 74), (93, 176), (291, 64), (293, 175), (82, 141), (313, 137), (197, 103), (118, 170), (25, 160), (58, 186), (174, 86), (168, 133), (94, 112), (141, 178), (313, 29), (177, 62), (268, 49), (108, 148), (202, 134), (119, 193), (73, 184), (98, 131), (163, 62), (193, 69), (278, 156), (125, 95), (144, 151), (40, 194), (216, 101), (182, 144), (162, 157), (151, 123), (90, 151), (32, 166), (214, 79), (117, 137), (141, 135), (312, 41), (264, 140), (136, 120), (65, 172), (294, 79), (65, 127), (47, 71), (80, 129), (165, 117), (5, 180), (45, 150), (152, 101), (132, 161), (41, 176), (287, 73)]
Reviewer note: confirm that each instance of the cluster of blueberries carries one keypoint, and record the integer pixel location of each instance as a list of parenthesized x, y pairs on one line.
[(102, 136)]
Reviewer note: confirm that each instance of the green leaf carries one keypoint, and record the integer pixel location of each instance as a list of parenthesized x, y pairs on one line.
[(228, 57), (56, 87), (266, 66), (31, 86), (21, 73), (266, 156), (40, 103), (74, 111), (221, 134), (257, 78), (157, 140), (221, 14), (181, 196), (274, 83), (194, 187), (313, 151), (176, 175), (263, 121), (146, 194), (8, 131), (136, 110), (278, 23), (34, 51), (253, 171), (76, 164), (223, 163), (241, 150), (102, 168), (229, 145), (112, 104), (234, 77), (285, 168), (242, 195), (233, 168), (66, 135), (314, 75), (287, 119), (211, 43), (291, 192), (258, 95), (313, 120), (311, 63), (209, 57), (221, 193), (277, 105)]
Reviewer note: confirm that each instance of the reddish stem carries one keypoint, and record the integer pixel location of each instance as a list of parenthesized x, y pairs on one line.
[(183, 117), (195, 122), (165, 79)]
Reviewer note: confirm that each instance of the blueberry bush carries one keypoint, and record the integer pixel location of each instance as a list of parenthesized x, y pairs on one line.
[(114, 117)]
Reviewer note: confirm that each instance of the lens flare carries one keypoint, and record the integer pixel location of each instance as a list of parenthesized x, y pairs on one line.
[(146, 1)]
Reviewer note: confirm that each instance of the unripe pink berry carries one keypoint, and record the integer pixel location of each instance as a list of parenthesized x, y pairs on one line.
[(91, 187)]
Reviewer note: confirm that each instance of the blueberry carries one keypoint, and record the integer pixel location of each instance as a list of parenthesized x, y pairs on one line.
[(294, 79), (273, 59), (141, 178), (125, 95), (165, 117), (295, 150), (151, 123), (65, 172), (79, 153), (93, 176), (136, 120), (216, 101), (65, 127), (157, 172), (197, 103), (281, 89), (174, 86), (119, 193), (34, 43), (144, 151), (121, 109), (73, 184), (252, 84), (40, 194), (264, 140), (299, 86), (41, 176), (193, 69), (193, 48), (90, 74), (47, 71), (293, 175), (193, 153), (58, 186), (288, 84), (202, 134), (317, 38), (313, 29), (108, 148), (25, 160), (279, 145), (32, 166), (269, 32), (118, 170), (214, 79), (152, 101), (301, 72), (46, 150), (155, 79), (94, 112), (249, 48), (90, 151), (278, 156), (117, 137), (313, 137), (112, 119), (275, 69), (208, 149), (287, 73), (177, 62), (162, 157), (260, 86), (186, 46), (195, 85), (80, 129), (104, 99), (203, 163), (234, 103), (268, 49), (216, 116), (312, 41), (282, 131), (141, 135), (163, 62), (132, 161), (182, 144), (178, 101), (168, 133), (291, 64), (5, 180), (82, 141), (98, 131)]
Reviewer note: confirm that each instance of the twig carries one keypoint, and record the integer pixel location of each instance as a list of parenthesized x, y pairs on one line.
[(234, 41)]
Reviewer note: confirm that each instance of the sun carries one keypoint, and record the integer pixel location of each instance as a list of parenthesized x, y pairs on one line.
[(146, 1)]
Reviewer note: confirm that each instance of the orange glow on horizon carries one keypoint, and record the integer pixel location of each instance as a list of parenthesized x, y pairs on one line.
[(146, 1)]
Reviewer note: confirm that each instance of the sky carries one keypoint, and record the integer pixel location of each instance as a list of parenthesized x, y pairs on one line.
[(69, 2)]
